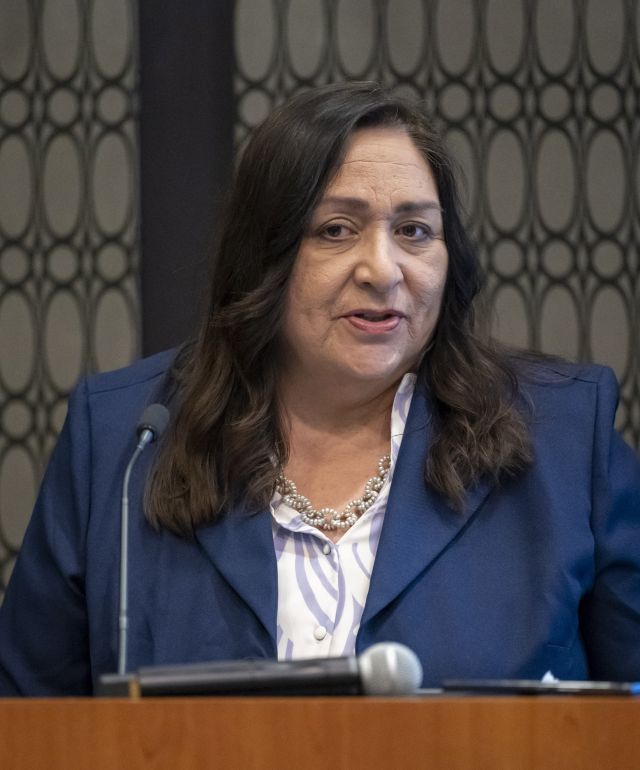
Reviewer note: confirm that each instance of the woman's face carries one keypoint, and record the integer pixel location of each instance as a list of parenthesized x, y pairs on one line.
[(367, 284)]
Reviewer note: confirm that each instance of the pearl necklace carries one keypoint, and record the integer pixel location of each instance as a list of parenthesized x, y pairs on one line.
[(329, 518)]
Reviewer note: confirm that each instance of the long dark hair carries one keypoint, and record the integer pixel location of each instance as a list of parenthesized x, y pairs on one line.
[(226, 438)]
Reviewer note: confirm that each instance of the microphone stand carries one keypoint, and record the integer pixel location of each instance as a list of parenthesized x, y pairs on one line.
[(152, 424)]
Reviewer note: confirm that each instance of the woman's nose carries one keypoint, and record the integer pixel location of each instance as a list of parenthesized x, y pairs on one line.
[(377, 263)]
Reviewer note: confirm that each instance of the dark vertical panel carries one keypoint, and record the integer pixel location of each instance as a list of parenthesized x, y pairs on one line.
[(186, 138)]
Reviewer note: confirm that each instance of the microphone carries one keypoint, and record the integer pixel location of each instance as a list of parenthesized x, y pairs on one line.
[(384, 669), (150, 427)]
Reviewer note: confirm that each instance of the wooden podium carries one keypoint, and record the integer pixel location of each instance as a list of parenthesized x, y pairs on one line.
[(498, 733)]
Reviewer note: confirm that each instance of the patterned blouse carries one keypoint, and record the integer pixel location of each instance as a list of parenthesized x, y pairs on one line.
[(323, 586)]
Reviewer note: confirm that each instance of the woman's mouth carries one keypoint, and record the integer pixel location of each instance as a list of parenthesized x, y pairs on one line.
[(374, 321)]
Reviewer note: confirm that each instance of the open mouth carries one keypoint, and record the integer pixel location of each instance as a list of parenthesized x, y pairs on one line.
[(375, 316)]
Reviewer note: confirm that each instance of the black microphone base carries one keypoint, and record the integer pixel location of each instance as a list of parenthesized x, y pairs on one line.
[(325, 677)]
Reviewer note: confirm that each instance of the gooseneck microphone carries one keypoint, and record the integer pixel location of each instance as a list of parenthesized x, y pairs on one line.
[(384, 669), (150, 427)]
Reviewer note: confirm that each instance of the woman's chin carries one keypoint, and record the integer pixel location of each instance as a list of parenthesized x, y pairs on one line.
[(383, 372)]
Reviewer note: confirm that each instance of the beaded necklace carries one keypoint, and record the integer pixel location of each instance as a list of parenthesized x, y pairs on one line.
[(329, 518)]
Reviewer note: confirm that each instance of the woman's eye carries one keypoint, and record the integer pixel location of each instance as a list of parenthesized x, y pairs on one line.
[(335, 231), (415, 232)]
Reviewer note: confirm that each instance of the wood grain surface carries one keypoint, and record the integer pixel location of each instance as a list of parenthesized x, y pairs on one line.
[(447, 732)]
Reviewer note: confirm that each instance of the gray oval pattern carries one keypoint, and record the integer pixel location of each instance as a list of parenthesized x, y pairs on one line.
[(67, 201)]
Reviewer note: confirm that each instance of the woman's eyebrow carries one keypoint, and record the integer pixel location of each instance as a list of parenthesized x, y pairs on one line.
[(409, 207), (346, 202), (359, 204)]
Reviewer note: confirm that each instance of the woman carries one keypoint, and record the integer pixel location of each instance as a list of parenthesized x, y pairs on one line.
[(346, 461)]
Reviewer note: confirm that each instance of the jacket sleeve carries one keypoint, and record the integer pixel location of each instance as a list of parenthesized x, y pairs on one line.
[(43, 621), (611, 610)]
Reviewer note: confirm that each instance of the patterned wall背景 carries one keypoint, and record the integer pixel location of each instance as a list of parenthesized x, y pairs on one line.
[(68, 224)]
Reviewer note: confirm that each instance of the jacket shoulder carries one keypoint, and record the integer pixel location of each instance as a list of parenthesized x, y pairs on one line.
[(141, 372), (557, 373), (565, 398)]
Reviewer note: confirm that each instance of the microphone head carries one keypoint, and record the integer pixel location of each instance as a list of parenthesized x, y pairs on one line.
[(155, 418), (389, 668)]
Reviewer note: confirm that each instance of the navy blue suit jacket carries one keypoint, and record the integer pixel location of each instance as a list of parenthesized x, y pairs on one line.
[(540, 573)]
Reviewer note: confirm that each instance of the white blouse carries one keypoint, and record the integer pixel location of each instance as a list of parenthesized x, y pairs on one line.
[(323, 586)]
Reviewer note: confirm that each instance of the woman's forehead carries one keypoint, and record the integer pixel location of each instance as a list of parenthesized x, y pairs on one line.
[(383, 143), (382, 163)]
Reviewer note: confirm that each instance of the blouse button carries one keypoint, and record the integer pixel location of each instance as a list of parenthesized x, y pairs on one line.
[(320, 633), (326, 549)]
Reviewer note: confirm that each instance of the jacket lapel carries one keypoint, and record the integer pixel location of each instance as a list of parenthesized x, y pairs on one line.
[(419, 524), (241, 548)]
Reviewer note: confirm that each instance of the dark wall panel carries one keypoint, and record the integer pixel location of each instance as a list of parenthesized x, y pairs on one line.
[(186, 143)]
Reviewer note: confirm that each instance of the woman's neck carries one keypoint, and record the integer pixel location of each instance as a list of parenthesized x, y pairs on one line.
[(336, 437), (347, 419)]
